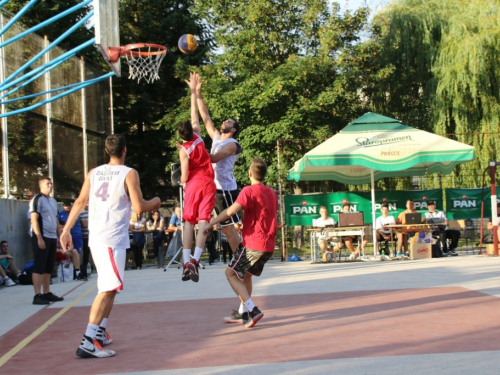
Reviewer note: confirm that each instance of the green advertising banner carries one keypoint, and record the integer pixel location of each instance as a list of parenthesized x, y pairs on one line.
[(302, 209), (466, 203)]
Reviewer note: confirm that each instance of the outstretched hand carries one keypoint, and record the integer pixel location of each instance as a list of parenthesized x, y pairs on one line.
[(193, 81)]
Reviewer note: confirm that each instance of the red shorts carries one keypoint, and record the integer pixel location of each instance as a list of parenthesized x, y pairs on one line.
[(199, 200)]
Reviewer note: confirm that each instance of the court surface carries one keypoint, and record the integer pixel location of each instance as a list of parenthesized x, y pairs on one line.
[(436, 316)]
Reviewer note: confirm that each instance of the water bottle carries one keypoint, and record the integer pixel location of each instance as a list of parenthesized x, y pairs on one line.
[(89, 270)]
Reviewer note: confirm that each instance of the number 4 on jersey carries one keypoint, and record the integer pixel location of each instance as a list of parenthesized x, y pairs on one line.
[(102, 192)]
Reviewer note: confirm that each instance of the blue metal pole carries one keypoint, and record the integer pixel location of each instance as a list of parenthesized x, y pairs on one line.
[(17, 16), (83, 85), (45, 50), (44, 23)]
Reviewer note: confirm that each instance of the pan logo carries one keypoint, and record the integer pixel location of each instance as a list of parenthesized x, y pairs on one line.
[(305, 209), (465, 203)]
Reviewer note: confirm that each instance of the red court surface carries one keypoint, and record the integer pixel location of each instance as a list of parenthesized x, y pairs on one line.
[(190, 334)]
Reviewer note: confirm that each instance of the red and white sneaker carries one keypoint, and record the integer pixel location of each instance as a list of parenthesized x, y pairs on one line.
[(103, 337), (186, 274), (193, 266)]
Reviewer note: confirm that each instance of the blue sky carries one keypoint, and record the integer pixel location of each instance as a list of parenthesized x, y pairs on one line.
[(355, 4)]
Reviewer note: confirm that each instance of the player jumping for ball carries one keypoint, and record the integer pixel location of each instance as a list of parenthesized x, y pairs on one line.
[(199, 191), (225, 150)]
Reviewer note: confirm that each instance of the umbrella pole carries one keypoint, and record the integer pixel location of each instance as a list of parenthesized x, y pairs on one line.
[(374, 232)]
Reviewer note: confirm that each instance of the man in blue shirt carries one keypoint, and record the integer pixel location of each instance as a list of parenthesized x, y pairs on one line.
[(76, 236)]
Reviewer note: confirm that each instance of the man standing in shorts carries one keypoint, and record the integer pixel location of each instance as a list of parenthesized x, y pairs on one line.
[(224, 152), (109, 190), (197, 176), (260, 206), (43, 217)]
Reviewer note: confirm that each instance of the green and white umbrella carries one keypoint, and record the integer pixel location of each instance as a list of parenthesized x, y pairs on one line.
[(373, 147)]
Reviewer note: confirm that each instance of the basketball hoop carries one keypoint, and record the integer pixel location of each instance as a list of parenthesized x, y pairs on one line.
[(143, 59)]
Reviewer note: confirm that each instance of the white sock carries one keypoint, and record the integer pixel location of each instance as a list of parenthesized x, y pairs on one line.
[(91, 330), (77, 272), (186, 255), (197, 252), (242, 309), (249, 304), (104, 322)]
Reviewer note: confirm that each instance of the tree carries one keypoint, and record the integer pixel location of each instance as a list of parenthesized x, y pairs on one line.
[(437, 70), (278, 71), (139, 107)]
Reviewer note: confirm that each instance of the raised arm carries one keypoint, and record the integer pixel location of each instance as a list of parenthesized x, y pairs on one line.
[(205, 116), (195, 121)]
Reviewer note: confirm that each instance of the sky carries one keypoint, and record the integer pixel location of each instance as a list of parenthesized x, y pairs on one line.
[(355, 4)]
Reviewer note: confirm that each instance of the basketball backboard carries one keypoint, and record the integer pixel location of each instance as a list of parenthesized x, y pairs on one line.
[(107, 31)]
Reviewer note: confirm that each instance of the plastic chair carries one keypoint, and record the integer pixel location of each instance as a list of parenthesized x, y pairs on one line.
[(468, 233)]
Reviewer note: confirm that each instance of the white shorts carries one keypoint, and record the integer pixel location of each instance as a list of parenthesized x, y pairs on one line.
[(110, 265)]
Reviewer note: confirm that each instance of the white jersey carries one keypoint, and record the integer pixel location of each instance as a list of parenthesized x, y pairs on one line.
[(224, 169), (381, 222), (109, 207)]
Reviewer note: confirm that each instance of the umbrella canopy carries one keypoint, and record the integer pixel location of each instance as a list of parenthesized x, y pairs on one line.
[(382, 145)]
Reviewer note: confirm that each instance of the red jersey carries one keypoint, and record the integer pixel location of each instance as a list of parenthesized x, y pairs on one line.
[(199, 159), (260, 217)]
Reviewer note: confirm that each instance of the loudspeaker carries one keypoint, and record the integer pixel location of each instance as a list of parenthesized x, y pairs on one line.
[(175, 174)]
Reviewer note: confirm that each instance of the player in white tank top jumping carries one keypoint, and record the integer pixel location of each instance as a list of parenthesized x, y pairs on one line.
[(110, 190), (223, 155)]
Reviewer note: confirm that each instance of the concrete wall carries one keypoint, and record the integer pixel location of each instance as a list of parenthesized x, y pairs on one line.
[(14, 228)]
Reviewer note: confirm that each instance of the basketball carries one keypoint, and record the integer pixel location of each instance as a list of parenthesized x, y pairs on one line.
[(188, 44)]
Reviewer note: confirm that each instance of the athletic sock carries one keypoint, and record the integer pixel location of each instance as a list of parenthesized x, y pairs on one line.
[(197, 253), (242, 309), (249, 304), (186, 255), (91, 330), (104, 322), (77, 272)]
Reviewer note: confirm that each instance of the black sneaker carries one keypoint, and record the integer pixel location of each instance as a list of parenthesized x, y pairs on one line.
[(80, 277), (236, 317), (92, 349), (453, 253), (254, 316), (446, 254), (39, 299), (52, 297)]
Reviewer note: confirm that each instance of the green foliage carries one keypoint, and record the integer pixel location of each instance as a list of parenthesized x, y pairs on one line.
[(279, 71), (437, 69), (139, 107)]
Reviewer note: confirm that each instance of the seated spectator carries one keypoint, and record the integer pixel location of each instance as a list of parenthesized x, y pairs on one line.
[(349, 241), (175, 220), (321, 222), (76, 236), (441, 231), (383, 233), (73, 256), (138, 229), (156, 225), (403, 239), (7, 264)]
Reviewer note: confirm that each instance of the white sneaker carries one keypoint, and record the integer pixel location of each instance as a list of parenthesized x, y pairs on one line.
[(8, 282), (92, 349), (353, 257)]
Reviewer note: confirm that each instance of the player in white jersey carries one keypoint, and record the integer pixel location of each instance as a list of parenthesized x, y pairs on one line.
[(110, 190), (225, 151)]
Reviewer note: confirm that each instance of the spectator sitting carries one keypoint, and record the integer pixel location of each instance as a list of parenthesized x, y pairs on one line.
[(441, 231), (350, 240), (76, 236), (383, 233), (324, 221), (8, 270), (72, 256), (403, 239), (175, 220), (156, 225)]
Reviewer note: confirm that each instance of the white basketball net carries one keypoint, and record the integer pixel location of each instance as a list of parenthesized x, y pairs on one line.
[(147, 66)]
